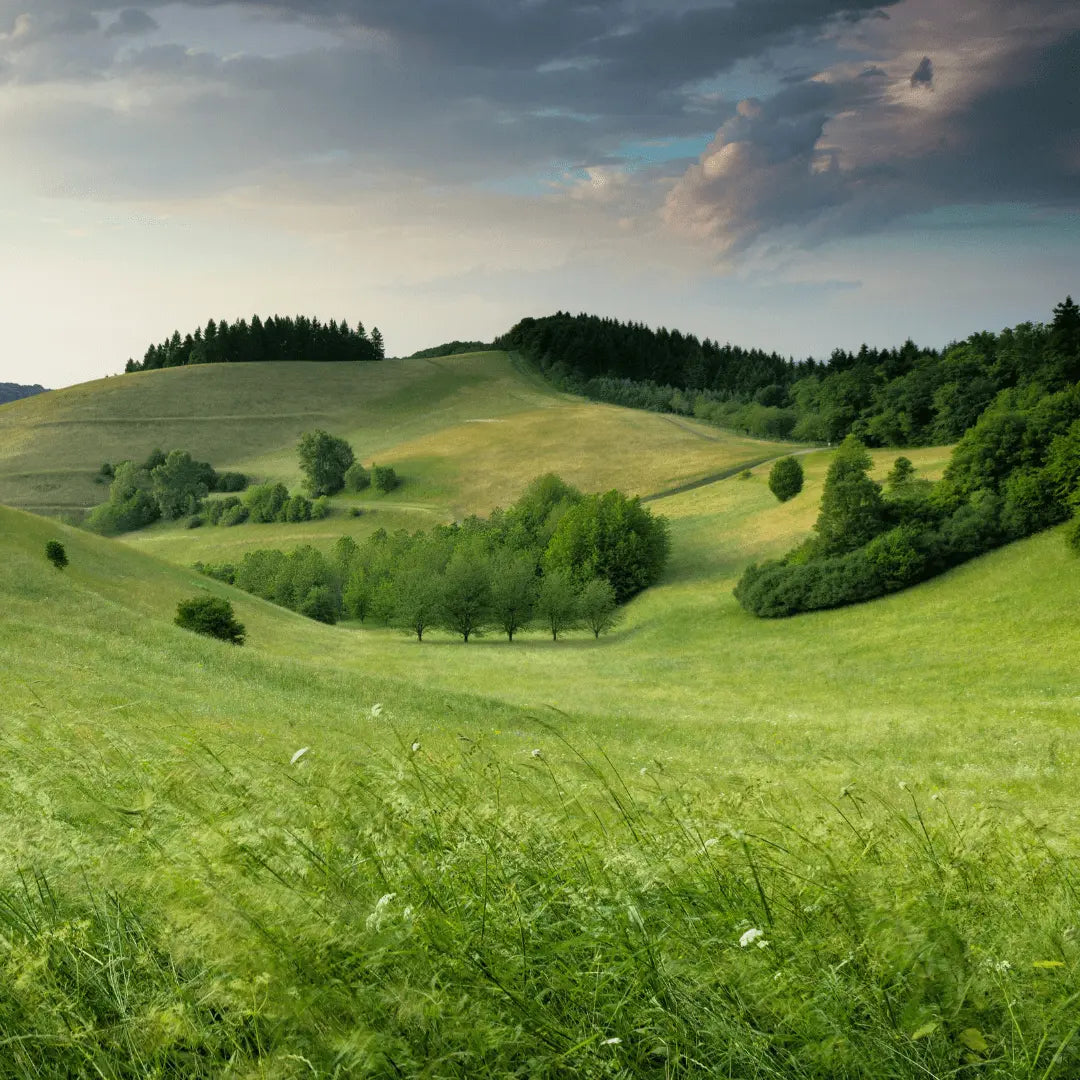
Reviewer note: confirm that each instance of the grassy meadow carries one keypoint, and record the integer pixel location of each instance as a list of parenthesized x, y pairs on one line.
[(839, 845)]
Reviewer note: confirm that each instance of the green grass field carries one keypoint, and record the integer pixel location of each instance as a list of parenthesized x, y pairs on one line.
[(539, 859)]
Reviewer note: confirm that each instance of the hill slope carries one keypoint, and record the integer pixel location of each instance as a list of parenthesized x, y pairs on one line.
[(468, 431), (223, 860)]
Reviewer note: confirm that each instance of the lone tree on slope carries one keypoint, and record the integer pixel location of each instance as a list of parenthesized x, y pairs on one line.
[(786, 478), (324, 461), (55, 553)]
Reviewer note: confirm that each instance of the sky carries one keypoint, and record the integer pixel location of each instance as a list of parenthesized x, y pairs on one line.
[(796, 175)]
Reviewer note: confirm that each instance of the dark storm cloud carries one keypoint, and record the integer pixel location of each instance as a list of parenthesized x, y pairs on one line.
[(479, 90), (773, 166), (923, 75), (132, 21)]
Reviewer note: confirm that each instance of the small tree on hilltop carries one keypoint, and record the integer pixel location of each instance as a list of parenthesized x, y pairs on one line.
[(324, 460), (55, 553), (786, 478), (599, 612), (212, 616), (557, 604)]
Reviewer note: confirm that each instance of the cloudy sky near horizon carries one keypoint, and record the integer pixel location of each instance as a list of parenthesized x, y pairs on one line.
[(793, 174)]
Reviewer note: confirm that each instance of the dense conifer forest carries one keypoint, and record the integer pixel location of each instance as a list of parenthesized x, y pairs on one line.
[(906, 396), (276, 338)]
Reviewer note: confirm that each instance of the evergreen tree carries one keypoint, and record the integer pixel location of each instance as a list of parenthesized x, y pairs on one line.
[(852, 512), (377, 343)]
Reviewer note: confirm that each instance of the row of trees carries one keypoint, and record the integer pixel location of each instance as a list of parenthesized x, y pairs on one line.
[(888, 397), (556, 558), (1014, 473), (169, 486), (275, 339)]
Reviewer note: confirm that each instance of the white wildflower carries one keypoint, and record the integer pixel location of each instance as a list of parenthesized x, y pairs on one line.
[(536, 753), (644, 770), (299, 754), (711, 842), (762, 944), (750, 937), (376, 710), (613, 1041), (902, 785), (935, 797), (378, 916), (415, 747)]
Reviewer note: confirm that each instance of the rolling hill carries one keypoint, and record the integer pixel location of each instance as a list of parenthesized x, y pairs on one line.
[(335, 849)]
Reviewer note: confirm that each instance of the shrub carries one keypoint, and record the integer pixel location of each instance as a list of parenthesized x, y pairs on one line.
[(230, 481), (786, 478), (297, 509), (55, 553), (236, 514), (320, 508), (196, 521), (355, 512), (357, 478), (212, 616), (266, 503), (384, 478)]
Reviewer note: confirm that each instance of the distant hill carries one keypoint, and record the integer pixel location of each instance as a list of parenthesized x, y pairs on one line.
[(10, 391)]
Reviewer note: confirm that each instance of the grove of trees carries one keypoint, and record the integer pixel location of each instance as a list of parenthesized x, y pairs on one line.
[(1015, 472), (170, 486), (556, 558), (906, 396), (276, 338)]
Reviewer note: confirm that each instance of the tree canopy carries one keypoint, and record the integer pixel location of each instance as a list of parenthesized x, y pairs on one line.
[(276, 338)]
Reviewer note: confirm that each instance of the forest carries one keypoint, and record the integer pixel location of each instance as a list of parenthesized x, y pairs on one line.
[(906, 396), (273, 339)]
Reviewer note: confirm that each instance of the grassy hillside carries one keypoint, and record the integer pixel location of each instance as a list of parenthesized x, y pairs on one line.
[(334, 852), (449, 885), (469, 431)]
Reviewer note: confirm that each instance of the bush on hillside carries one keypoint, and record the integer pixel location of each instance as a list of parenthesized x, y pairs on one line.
[(357, 478), (321, 508), (384, 478), (786, 478), (56, 554), (212, 616), (230, 481)]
